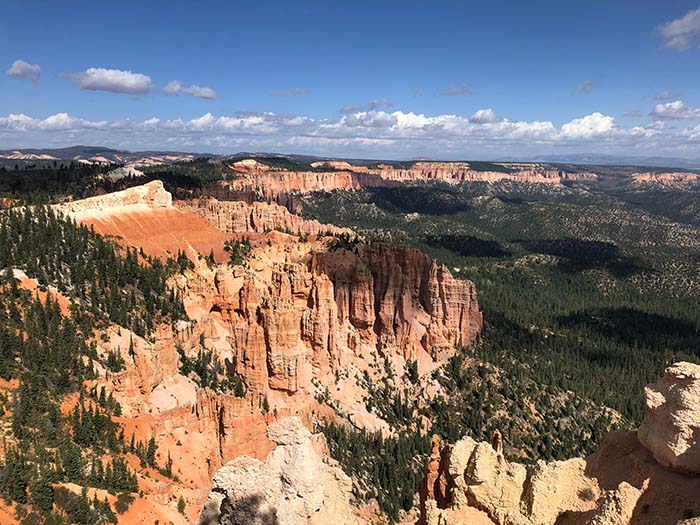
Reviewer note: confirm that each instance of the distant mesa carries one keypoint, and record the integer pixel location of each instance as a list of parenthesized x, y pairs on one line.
[(668, 180)]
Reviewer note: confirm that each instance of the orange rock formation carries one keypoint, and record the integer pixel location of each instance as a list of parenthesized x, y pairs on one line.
[(262, 181), (296, 322)]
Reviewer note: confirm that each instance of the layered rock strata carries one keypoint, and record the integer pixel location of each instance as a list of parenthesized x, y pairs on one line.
[(256, 178), (256, 217)]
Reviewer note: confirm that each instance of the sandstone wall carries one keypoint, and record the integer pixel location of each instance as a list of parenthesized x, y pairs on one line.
[(255, 217)]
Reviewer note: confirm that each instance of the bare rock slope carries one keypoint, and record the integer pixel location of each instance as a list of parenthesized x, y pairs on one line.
[(292, 486)]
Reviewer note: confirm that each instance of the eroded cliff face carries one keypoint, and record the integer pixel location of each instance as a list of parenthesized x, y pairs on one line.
[(259, 180), (299, 314), (255, 217), (300, 323), (667, 180), (621, 484), (457, 172), (398, 298)]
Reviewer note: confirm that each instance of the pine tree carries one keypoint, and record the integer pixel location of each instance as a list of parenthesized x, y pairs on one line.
[(151, 452), (169, 466)]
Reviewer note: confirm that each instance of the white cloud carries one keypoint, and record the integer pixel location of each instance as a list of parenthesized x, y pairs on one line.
[(692, 133), (24, 71), (57, 122), (585, 87), (588, 126), (370, 119), (484, 116), (648, 131), (372, 133), (682, 33), (113, 80), (175, 87), (675, 110)]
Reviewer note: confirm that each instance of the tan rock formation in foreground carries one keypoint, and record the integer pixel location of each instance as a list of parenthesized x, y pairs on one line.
[(671, 427), (621, 484), (292, 486)]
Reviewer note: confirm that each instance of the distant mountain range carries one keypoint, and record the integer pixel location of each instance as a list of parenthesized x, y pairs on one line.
[(44, 157), (620, 160), (89, 155)]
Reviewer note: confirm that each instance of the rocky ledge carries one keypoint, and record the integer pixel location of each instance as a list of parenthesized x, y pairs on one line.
[(627, 481)]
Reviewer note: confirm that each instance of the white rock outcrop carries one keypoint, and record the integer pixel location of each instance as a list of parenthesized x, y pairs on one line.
[(293, 486), (147, 196)]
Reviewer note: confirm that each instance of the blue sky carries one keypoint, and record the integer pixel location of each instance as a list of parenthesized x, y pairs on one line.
[(357, 78)]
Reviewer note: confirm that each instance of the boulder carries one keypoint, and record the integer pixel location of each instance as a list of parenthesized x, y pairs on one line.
[(671, 427), (292, 486)]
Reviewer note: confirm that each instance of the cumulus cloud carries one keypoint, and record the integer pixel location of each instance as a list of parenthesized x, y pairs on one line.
[(682, 33), (676, 110), (648, 131), (295, 92), (57, 122), (456, 91), (692, 134), (585, 87), (588, 126), (24, 71), (375, 104), (175, 87), (113, 80), (374, 132), (484, 116)]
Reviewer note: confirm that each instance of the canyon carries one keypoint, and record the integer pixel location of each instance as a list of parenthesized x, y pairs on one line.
[(314, 324), (301, 320)]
